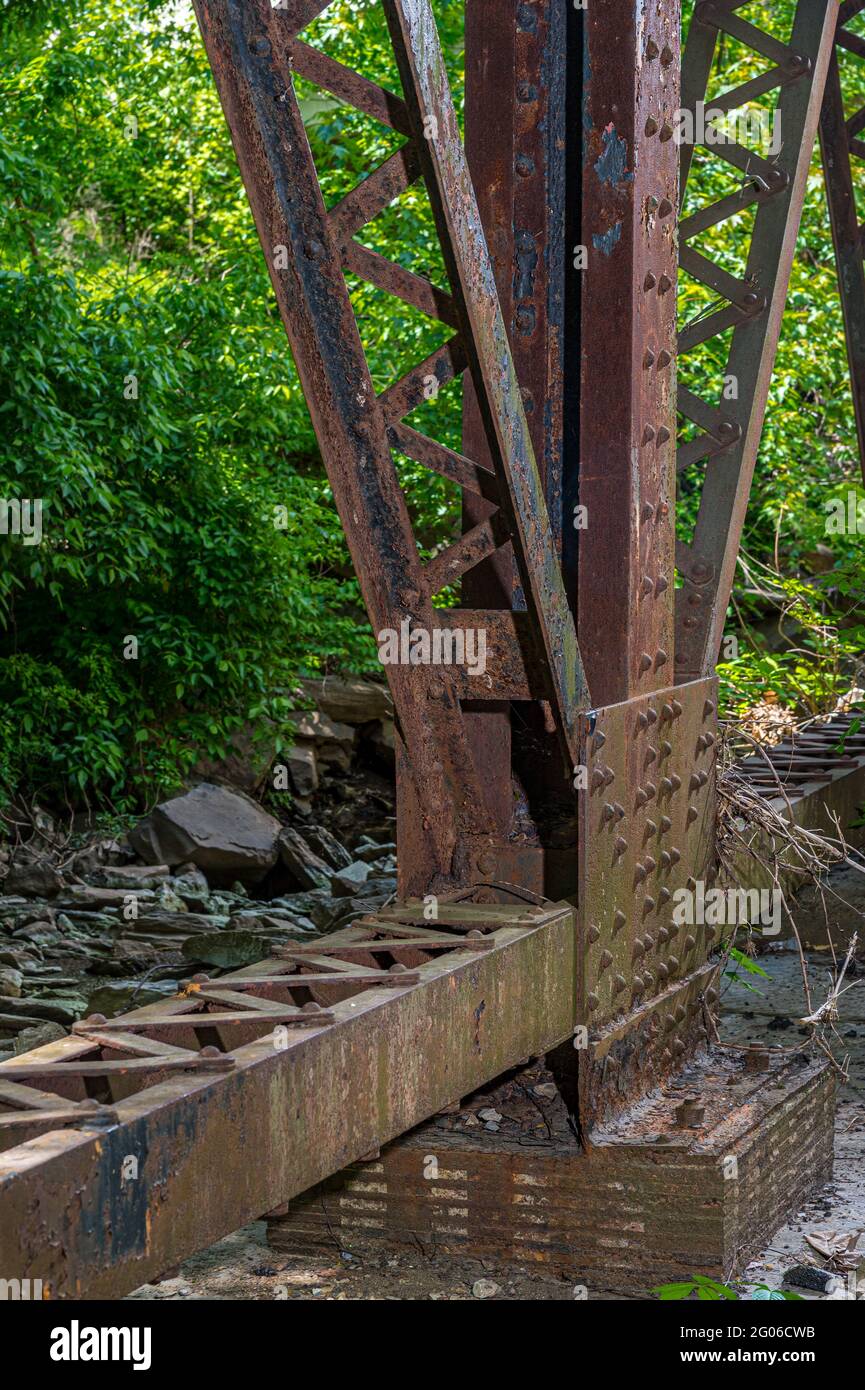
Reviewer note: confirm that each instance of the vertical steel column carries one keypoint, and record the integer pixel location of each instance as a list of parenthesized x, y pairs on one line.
[(627, 409), (516, 68)]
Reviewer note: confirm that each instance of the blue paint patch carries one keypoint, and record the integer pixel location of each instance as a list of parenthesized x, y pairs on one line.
[(612, 166), (606, 241), (587, 86)]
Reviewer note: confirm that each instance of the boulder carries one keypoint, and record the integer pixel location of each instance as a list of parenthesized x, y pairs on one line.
[(327, 847), (304, 865), (33, 878), (350, 879), (350, 701), (220, 831), (333, 742), (302, 765)]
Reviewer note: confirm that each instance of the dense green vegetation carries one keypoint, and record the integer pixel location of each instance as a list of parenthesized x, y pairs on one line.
[(147, 395)]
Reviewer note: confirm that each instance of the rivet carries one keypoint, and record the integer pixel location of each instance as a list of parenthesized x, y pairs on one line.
[(666, 786), (651, 126), (663, 973), (666, 824), (651, 789), (661, 657), (648, 585), (642, 721), (651, 829), (314, 250), (597, 778), (619, 983), (694, 784), (664, 284), (619, 810), (661, 586), (605, 961), (594, 933), (704, 777), (312, 1007), (648, 434), (652, 49), (525, 166), (678, 1047), (677, 708), (649, 942), (609, 776), (666, 749), (666, 133), (667, 712), (649, 284), (710, 740), (598, 740), (619, 920), (690, 943), (648, 979), (663, 435), (708, 708), (676, 781), (675, 855), (664, 358), (702, 745), (645, 662), (665, 859), (673, 962), (691, 884), (593, 1001), (608, 811), (652, 715), (663, 934), (711, 995), (649, 359), (638, 986), (651, 755), (692, 814), (639, 949), (641, 797), (639, 874), (621, 845), (650, 864), (648, 511), (681, 1013), (666, 207), (667, 56)]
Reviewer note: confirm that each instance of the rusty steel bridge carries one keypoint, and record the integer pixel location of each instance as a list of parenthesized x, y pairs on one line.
[(551, 810)]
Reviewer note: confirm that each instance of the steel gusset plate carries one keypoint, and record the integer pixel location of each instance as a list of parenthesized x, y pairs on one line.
[(647, 829), (752, 306)]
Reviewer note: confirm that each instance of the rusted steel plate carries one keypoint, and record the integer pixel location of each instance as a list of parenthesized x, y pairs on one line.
[(837, 142), (166, 1170), (707, 564), (649, 1204), (628, 347), (647, 830)]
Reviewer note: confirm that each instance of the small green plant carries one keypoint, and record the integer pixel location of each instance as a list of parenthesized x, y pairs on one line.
[(711, 1291), (749, 966)]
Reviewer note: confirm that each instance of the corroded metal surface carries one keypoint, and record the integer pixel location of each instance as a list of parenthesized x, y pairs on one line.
[(628, 346), (652, 1203), (841, 143), (647, 830), (272, 1096), (448, 816), (728, 435)]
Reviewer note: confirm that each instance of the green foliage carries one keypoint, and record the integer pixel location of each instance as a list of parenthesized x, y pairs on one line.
[(147, 395), (711, 1291)]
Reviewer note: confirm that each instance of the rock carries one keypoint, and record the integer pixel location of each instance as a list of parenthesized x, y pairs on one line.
[(190, 884), (64, 1010), (37, 1036), (379, 741), (229, 949), (132, 876), (490, 1117), (485, 1288), (372, 852), (350, 702), (168, 900), (302, 862), (34, 879), (10, 982), (175, 923), (302, 768), (82, 896), (333, 742), (328, 847), (246, 766), (349, 879), (547, 1091), (220, 831), (40, 933)]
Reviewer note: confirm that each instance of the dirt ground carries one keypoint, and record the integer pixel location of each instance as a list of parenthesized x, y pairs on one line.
[(243, 1267)]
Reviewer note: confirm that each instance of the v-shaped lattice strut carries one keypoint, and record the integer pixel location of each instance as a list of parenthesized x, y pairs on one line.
[(841, 141), (255, 51), (729, 434)]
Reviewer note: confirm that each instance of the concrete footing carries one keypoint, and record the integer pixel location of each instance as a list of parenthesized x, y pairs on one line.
[(692, 1180)]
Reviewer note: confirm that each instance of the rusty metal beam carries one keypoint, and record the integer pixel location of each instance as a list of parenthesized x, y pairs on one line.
[(840, 145), (98, 1198), (446, 815), (729, 434), (627, 424)]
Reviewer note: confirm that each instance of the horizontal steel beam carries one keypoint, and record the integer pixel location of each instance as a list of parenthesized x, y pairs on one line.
[(106, 1196)]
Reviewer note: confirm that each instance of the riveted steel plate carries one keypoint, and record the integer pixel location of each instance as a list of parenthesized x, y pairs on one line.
[(647, 818)]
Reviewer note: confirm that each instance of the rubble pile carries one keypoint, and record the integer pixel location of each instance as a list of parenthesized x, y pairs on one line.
[(210, 878)]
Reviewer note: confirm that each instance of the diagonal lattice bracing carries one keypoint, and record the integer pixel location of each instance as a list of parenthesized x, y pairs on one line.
[(841, 145), (255, 54), (747, 307)]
